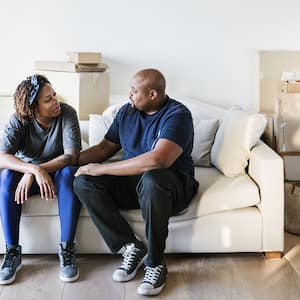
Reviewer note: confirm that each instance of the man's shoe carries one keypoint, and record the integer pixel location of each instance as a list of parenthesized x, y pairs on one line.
[(12, 263), (154, 280), (68, 268), (134, 255)]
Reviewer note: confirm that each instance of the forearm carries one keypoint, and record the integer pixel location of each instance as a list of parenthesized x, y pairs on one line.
[(98, 153), (61, 161), (133, 166), (162, 156), (9, 161)]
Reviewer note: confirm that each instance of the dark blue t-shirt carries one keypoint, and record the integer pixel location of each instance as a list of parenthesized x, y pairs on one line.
[(138, 132)]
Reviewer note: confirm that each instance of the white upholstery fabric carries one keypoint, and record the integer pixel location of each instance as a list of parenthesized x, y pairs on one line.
[(97, 129), (222, 232), (205, 131), (266, 169), (237, 134)]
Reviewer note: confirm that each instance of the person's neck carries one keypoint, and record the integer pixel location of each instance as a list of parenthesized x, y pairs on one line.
[(44, 122), (158, 105)]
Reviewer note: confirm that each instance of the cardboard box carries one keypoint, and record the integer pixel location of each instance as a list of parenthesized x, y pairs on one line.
[(291, 166), (290, 87), (87, 92), (287, 122), (84, 57)]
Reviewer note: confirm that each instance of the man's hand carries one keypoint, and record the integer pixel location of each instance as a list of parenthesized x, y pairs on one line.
[(89, 169), (45, 183), (21, 194)]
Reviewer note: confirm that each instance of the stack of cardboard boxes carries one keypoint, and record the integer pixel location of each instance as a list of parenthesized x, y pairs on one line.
[(81, 81), (287, 127)]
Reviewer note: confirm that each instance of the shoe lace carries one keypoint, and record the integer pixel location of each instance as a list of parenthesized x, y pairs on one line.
[(9, 259), (68, 256), (129, 256), (152, 274)]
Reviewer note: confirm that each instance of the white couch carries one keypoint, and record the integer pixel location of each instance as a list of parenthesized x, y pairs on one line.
[(230, 213)]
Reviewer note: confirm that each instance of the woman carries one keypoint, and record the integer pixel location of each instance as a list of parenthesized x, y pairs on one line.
[(39, 154)]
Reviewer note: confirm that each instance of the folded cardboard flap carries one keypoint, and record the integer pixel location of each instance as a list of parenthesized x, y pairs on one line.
[(67, 66)]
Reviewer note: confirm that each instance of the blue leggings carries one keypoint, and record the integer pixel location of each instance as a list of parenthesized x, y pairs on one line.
[(68, 204)]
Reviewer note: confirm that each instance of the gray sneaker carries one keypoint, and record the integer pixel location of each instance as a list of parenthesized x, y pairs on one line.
[(12, 263), (68, 268)]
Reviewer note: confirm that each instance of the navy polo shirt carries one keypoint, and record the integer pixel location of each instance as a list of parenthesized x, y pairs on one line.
[(138, 132)]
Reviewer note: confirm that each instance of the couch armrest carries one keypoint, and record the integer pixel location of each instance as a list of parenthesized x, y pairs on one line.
[(266, 169)]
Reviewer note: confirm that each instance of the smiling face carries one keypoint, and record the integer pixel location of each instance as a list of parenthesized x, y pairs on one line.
[(47, 104)]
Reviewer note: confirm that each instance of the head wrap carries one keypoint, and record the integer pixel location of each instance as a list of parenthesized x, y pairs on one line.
[(37, 82)]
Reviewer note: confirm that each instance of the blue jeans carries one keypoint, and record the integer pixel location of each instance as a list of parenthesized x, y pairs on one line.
[(159, 193), (68, 204)]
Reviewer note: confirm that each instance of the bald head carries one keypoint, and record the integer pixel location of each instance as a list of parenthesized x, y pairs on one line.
[(153, 80)]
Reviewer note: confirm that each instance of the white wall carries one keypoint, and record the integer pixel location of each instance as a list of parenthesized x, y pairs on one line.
[(206, 48)]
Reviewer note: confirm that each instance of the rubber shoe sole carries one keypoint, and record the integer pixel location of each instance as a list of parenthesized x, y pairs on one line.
[(149, 291), (124, 278), (69, 279), (12, 279)]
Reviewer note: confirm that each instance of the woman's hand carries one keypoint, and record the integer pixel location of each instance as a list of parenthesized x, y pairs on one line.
[(89, 169), (24, 185), (45, 183)]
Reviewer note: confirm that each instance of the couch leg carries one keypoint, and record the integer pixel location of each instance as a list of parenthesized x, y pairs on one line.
[(269, 255)]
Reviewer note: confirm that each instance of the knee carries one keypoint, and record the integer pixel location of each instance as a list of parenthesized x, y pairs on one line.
[(67, 172), (153, 188), (8, 177), (80, 185), (150, 181)]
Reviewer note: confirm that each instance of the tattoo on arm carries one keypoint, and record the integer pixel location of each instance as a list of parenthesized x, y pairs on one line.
[(70, 157)]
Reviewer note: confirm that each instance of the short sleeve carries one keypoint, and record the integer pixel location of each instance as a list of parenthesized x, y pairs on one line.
[(71, 129), (12, 138), (178, 128)]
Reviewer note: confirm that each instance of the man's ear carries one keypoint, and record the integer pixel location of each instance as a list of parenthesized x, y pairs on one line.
[(153, 94)]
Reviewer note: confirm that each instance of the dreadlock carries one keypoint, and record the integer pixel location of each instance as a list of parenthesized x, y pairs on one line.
[(25, 111)]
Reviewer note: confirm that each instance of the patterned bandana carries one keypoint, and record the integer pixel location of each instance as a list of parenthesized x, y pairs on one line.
[(36, 84)]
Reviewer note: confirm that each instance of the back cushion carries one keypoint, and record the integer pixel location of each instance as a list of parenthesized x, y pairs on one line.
[(237, 134), (205, 131), (206, 121), (97, 129)]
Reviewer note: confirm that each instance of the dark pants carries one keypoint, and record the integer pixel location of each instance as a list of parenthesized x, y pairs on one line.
[(159, 193)]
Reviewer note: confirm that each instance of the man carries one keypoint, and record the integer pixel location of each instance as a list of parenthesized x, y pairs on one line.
[(156, 174)]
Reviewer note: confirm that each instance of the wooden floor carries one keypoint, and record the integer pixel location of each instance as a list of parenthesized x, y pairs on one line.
[(221, 276)]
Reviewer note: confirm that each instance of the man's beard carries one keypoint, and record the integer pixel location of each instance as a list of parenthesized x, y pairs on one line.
[(132, 107)]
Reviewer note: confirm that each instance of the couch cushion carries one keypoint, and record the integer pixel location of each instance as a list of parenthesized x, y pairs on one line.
[(97, 129), (205, 131), (237, 134), (216, 193)]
